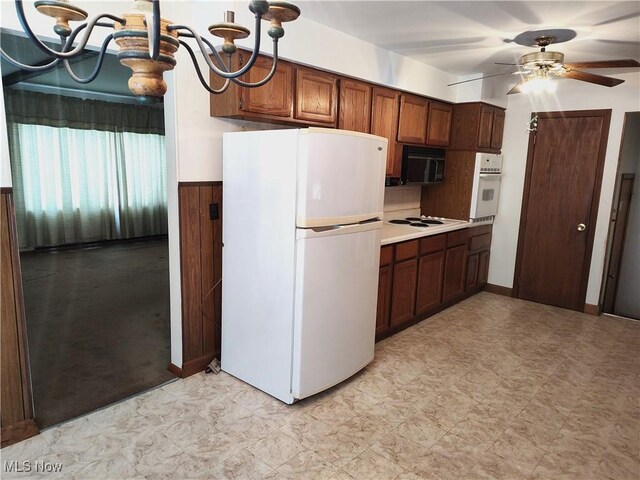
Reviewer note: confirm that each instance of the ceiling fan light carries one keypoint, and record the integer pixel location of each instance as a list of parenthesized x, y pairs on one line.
[(539, 85)]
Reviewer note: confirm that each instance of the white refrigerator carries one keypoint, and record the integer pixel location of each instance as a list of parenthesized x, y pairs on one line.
[(301, 224)]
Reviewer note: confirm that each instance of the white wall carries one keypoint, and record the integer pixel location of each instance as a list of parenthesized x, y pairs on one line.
[(571, 95), (199, 136)]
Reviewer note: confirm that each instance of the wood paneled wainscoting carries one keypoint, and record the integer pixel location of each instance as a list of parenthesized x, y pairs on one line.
[(16, 398), (200, 209)]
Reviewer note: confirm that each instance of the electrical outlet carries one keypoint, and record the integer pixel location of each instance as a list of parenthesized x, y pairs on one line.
[(214, 213)]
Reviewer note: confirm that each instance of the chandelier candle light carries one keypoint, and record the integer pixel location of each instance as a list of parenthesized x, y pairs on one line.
[(147, 43)]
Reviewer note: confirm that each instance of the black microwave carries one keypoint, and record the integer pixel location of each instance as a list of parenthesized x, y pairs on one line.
[(422, 165)]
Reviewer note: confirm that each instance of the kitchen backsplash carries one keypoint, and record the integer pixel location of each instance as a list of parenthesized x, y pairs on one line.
[(402, 198)]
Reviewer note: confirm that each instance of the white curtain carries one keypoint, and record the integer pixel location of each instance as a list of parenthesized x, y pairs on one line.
[(76, 185)]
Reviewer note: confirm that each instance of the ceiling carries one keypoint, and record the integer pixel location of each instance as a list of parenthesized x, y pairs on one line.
[(464, 38), (468, 37)]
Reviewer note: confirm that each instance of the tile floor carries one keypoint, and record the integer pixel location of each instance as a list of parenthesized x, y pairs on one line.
[(491, 388)]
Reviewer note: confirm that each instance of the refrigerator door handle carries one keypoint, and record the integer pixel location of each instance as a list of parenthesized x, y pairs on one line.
[(337, 229)]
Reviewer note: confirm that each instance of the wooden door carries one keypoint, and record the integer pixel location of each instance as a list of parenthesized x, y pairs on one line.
[(355, 106), (384, 122), (439, 124), (485, 128), (316, 96), (617, 243), (274, 98), (412, 123), (559, 208), (429, 291), (497, 129)]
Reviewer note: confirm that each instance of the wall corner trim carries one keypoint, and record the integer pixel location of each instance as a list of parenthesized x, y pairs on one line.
[(498, 290)]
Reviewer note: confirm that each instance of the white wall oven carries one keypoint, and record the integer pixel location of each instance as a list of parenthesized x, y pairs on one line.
[(486, 187)]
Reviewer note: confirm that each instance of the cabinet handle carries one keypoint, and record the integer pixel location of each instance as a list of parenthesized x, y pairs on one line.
[(582, 227)]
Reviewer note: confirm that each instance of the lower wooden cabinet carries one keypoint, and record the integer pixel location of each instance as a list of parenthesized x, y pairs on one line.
[(403, 294), (429, 289), (384, 290), (472, 271), (478, 257), (454, 268), (421, 277)]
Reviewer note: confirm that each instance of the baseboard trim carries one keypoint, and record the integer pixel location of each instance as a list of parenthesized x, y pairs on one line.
[(18, 431), (592, 309), (498, 289), (191, 367), (177, 371)]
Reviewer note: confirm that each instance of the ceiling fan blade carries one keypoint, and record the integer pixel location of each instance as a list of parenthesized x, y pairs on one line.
[(503, 63), (625, 63), (480, 78), (517, 88), (591, 78)]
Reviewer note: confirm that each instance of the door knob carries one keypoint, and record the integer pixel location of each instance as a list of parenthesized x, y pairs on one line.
[(582, 227)]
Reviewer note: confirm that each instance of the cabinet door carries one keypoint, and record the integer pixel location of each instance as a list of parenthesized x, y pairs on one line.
[(483, 268), (498, 127), (412, 123), (404, 291), (274, 98), (453, 285), (486, 126), (316, 96), (430, 270), (355, 106), (384, 299), (384, 122), (472, 272), (439, 125)]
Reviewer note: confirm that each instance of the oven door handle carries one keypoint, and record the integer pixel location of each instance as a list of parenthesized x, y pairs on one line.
[(489, 175)]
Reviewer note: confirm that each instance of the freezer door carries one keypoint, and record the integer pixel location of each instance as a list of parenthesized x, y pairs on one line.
[(335, 306), (340, 177)]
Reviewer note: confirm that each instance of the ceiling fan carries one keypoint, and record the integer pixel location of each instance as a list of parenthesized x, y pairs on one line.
[(536, 69)]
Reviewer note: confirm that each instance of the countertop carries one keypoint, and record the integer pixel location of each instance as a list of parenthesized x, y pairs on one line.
[(392, 233)]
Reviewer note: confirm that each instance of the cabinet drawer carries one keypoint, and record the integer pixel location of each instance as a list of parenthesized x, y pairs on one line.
[(432, 244), (459, 237), (406, 250), (480, 242), (386, 255)]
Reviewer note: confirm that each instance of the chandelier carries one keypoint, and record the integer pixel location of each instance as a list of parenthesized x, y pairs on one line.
[(147, 43)]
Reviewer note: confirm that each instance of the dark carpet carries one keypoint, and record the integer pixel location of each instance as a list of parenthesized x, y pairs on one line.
[(97, 325)]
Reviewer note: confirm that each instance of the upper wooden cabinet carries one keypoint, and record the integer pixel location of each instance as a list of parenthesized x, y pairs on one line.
[(423, 121), (412, 123), (355, 106), (316, 96), (439, 124), (312, 99), (274, 98), (477, 127), (384, 122)]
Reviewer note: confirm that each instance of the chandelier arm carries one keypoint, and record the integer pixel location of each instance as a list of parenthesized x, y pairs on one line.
[(96, 70), (29, 68), (154, 31), (203, 43), (268, 77), (203, 49), (226, 84), (64, 54)]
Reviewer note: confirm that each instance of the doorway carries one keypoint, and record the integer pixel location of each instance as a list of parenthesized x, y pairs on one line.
[(622, 276), (89, 184), (559, 208)]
